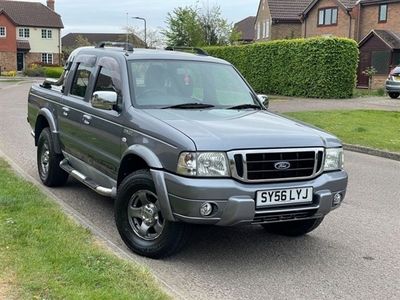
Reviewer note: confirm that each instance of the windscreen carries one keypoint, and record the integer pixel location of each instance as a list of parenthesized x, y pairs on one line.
[(164, 83)]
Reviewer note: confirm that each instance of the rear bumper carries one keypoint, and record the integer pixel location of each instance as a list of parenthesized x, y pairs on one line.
[(235, 201)]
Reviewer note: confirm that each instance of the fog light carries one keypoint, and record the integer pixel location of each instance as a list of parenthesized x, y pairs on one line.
[(337, 199), (206, 209)]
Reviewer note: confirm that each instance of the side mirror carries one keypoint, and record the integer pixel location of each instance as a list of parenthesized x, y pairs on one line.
[(264, 100), (106, 100)]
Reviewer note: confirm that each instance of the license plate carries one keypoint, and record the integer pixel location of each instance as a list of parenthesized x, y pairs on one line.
[(286, 196)]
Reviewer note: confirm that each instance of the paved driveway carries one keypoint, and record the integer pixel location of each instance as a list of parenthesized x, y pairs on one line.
[(287, 104), (355, 254)]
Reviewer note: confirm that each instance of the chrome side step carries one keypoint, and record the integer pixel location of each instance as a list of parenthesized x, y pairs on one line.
[(107, 192)]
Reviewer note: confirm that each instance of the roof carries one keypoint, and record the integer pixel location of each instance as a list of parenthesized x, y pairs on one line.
[(371, 2), (31, 14), (287, 10), (246, 28), (69, 40), (346, 4), (392, 39), (23, 45)]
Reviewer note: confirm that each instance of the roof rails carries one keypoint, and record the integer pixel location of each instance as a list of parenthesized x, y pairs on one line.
[(185, 49), (126, 46)]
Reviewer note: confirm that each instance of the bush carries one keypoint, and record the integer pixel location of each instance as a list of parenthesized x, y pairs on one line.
[(9, 74), (315, 67), (37, 70)]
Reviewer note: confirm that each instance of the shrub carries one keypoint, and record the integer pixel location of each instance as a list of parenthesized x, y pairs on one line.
[(53, 72), (9, 74), (37, 70), (315, 67)]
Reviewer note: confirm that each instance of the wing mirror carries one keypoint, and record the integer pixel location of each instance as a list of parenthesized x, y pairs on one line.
[(264, 100), (106, 100)]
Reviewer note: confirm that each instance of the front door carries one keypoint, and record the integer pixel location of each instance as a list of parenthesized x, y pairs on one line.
[(20, 61), (365, 62)]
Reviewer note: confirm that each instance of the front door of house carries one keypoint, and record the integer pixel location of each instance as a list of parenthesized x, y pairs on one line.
[(365, 62), (20, 61)]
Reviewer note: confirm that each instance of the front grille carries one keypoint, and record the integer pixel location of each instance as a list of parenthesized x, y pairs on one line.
[(277, 164), (279, 217)]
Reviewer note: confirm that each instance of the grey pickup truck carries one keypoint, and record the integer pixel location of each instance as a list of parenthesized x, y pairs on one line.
[(180, 138)]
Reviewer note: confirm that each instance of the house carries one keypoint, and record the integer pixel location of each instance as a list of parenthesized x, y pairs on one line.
[(71, 40), (279, 19), (246, 29), (331, 18), (30, 32)]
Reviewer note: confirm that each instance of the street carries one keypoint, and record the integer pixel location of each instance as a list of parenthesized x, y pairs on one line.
[(354, 254)]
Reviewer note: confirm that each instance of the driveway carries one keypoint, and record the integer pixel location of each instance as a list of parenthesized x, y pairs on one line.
[(354, 254), (292, 104)]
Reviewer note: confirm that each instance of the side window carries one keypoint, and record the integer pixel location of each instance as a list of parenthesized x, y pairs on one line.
[(108, 81), (81, 81)]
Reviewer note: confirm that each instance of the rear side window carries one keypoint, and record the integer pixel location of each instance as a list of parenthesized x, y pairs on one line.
[(81, 81)]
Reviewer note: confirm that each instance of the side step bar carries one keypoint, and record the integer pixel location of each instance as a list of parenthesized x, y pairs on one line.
[(107, 192)]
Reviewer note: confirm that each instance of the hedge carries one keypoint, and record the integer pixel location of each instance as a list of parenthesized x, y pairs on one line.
[(315, 67)]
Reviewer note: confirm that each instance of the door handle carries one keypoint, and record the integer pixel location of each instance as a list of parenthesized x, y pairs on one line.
[(65, 111), (86, 119)]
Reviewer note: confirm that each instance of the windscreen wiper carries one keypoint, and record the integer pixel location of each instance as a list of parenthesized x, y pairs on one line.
[(245, 106), (194, 105)]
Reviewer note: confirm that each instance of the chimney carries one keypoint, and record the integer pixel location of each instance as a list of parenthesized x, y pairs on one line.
[(50, 4)]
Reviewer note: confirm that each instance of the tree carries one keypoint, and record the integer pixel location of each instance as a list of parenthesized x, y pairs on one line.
[(184, 28), (80, 41), (154, 38), (194, 27)]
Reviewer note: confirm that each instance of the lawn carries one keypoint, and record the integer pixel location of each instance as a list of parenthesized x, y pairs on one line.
[(370, 128), (46, 255)]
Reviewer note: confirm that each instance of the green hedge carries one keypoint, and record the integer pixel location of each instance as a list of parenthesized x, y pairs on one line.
[(315, 67)]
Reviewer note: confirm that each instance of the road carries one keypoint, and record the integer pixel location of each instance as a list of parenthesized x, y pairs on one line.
[(354, 254)]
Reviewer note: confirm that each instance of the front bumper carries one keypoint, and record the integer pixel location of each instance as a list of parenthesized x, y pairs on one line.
[(182, 197), (392, 86)]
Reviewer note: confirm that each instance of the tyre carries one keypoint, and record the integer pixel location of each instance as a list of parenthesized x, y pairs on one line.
[(140, 221), (49, 162), (293, 228), (394, 95)]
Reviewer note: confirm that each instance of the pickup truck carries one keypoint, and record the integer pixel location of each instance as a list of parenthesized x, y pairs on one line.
[(180, 138)]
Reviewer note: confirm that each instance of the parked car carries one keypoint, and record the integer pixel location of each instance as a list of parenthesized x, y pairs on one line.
[(177, 139), (392, 84)]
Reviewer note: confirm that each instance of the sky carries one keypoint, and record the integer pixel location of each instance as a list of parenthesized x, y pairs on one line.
[(111, 16)]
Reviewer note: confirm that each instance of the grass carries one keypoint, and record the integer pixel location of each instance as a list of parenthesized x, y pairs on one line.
[(357, 93), (45, 255), (370, 128)]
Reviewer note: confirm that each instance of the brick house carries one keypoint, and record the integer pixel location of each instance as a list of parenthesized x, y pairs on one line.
[(279, 19), (30, 32), (246, 29), (70, 40)]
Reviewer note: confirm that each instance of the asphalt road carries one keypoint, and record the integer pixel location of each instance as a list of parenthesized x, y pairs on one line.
[(354, 254)]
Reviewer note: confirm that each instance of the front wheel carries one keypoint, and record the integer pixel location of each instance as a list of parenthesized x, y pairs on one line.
[(293, 228), (394, 95), (140, 221)]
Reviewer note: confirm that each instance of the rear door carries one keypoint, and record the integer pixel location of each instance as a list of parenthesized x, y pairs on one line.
[(74, 102)]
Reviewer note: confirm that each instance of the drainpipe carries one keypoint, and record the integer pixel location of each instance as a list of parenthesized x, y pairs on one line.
[(350, 24), (358, 22)]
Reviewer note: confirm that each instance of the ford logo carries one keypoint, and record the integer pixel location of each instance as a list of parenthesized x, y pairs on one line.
[(282, 165)]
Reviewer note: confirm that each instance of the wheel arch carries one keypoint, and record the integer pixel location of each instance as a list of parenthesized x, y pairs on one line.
[(45, 119)]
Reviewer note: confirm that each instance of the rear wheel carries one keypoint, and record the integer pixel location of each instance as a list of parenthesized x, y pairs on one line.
[(394, 95), (48, 161), (293, 228), (140, 221)]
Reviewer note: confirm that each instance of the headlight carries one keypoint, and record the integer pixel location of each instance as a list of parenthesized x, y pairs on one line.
[(334, 159), (213, 164)]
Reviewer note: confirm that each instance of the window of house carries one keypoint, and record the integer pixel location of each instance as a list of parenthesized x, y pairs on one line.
[(24, 33), (267, 29), (258, 31), (3, 31), (47, 34), (327, 16), (81, 80), (380, 60), (47, 58), (383, 12)]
